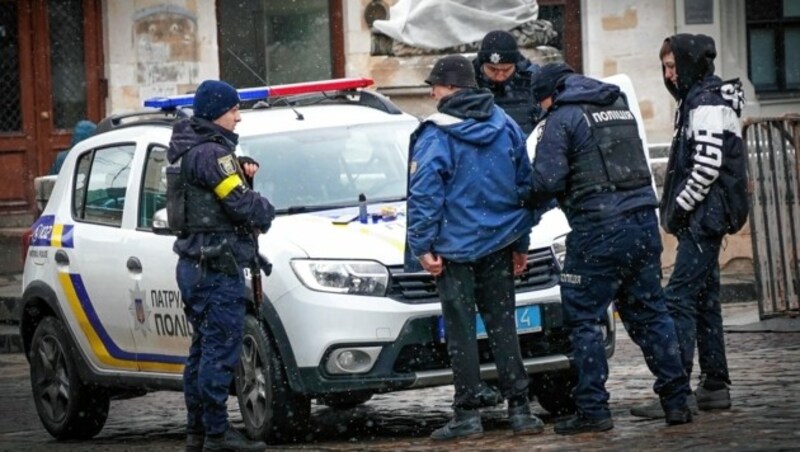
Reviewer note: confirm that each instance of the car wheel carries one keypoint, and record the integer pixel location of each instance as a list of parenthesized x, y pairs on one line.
[(68, 408), (344, 401), (553, 391), (271, 411)]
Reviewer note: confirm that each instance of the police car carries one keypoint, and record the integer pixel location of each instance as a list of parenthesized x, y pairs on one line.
[(339, 319)]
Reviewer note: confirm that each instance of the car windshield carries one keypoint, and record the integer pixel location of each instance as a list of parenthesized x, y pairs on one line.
[(325, 168)]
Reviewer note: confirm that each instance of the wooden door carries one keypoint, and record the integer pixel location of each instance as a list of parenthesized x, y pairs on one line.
[(51, 76)]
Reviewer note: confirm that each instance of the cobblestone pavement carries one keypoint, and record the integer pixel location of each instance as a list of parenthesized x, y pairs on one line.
[(765, 415)]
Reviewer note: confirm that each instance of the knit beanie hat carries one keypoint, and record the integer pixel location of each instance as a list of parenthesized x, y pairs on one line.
[(453, 70), (499, 47), (546, 80), (213, 99)]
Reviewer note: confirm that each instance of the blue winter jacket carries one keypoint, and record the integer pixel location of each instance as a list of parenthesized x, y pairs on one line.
[(469, 176), (565, 134)]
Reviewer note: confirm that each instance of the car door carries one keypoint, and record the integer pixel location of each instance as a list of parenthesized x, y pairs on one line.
[(160, 329), (89, 270)]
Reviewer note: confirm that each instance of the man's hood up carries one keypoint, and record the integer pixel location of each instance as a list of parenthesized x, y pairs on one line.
[(474, 116), (694, 61)]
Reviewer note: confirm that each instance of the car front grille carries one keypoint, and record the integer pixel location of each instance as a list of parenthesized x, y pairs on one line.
[(541, 273), (433, 355)]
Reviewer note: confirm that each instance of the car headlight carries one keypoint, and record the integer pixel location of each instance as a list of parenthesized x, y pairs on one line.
[(560, 250), (342, 276)]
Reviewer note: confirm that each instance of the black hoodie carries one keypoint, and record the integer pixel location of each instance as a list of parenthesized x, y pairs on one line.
[(694, 60), (705, 187)]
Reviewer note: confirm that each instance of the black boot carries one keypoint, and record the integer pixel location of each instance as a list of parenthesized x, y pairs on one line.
[(232, 440), (465, 424), (523, 422), (677, 417), (579, 424), (194, 441)]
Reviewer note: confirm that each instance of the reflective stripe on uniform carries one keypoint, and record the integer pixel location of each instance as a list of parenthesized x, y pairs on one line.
[(224, 188)]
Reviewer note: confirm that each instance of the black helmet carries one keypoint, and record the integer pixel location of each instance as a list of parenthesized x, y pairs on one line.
[(453, 70)]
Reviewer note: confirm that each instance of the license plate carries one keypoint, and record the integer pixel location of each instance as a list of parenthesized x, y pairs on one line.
[(529, 320)]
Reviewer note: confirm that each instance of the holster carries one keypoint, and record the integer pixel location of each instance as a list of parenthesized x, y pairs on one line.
[(219, 258)]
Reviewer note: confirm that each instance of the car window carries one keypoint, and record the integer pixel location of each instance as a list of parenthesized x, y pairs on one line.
[(331, 166), (153, 195), (101, 181)]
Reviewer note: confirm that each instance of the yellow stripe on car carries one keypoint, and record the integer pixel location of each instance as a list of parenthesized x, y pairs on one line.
[(96, 343), (55, 237)]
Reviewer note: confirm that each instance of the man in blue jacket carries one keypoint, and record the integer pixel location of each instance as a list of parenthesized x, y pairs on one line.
[(469, 175), (502, 69), (218, 214), (590, 158), (705, 197)]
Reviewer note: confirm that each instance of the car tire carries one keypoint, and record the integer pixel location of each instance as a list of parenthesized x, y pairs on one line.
[(553, 391), (68, 408), (271, 411), (344, 401)]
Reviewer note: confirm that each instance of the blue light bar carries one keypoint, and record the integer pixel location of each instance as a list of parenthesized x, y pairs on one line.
[(264, 92)]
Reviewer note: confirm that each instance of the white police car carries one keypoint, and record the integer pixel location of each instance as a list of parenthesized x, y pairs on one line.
[(339, 320)]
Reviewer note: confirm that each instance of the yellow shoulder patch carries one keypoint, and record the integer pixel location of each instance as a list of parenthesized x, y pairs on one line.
[(226, 164)]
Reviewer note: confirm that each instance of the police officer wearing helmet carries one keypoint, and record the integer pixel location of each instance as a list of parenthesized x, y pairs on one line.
[(215, 214), (591, 159), (501, 68), (469, 174)]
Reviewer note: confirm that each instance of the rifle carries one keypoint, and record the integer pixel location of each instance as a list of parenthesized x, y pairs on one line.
[(258, 263)]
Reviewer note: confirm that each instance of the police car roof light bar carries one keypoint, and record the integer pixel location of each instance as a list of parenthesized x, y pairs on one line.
[(264, 92)]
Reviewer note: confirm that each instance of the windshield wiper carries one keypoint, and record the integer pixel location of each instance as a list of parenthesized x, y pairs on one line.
[(291, 210), (315, 208)]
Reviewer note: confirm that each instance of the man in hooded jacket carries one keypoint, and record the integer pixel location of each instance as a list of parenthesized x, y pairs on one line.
[(219, 214), (469, 175), (705, 197), (591, 159)]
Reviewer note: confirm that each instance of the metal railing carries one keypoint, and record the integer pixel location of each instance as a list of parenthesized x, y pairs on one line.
[(774, 168)]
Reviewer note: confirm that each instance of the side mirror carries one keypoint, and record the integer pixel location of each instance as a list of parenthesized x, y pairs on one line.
[(43, 188), (160, 222)]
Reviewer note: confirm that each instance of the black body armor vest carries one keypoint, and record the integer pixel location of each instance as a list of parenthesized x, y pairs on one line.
[(516, 98), (192, 208), (617, 162)]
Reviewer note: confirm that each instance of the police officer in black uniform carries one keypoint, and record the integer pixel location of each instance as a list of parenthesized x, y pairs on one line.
[(501, 68), (217, 218), (590, 157)]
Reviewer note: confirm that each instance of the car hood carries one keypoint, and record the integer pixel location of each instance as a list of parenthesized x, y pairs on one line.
[(317, 235)]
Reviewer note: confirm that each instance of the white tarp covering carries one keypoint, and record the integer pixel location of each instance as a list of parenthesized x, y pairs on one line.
[(436, 24)]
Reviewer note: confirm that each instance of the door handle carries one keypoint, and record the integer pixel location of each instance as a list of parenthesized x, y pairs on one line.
[(62, 258), (45, 115), (134, 264)]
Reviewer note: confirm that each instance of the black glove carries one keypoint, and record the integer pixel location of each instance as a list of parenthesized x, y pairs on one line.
[(242, 160)]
